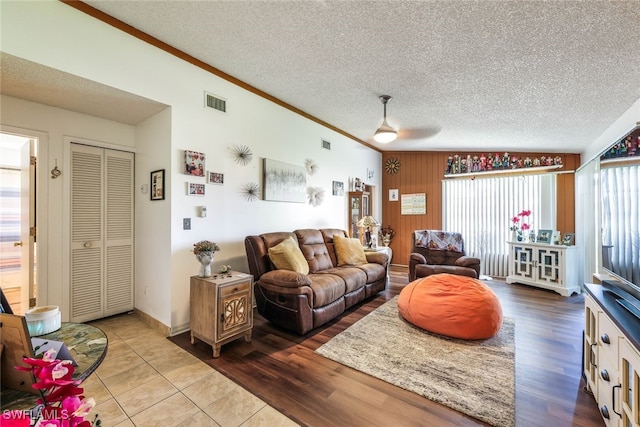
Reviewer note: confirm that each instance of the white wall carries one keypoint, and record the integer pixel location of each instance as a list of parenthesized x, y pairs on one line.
[(588, 235), (617, 130), (58, 38), (53, 127)]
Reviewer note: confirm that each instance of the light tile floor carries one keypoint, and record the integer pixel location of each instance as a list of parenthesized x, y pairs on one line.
[(146, 380)]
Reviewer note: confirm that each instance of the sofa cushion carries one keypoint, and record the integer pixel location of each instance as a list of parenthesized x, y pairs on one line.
[(326, 288), (354, 277), (286, 255), (327, 234), (349, 251), (314, 250)]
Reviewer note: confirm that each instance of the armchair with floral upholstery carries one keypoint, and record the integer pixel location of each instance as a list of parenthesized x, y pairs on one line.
[(436, 251)]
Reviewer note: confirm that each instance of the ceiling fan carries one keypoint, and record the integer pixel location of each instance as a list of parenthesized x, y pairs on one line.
[(386, 134)]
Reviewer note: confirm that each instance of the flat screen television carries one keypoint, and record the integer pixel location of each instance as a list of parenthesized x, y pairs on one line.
[(620, 212)]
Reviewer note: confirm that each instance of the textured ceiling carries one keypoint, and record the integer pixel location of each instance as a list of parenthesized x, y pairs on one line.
[(34, 82), (482, 75)]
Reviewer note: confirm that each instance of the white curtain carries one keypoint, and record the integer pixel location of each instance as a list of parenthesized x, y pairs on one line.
[(587, 224), (621, 220), (482, 208)]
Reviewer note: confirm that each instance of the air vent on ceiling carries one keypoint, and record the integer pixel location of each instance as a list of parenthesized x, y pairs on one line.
[(215, 102), (326, 144)]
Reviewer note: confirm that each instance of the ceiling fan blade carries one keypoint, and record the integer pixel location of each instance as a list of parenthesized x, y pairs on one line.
[(419, 133)]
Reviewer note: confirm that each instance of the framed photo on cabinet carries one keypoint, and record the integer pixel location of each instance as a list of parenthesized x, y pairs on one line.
[(568, 239), (157, 185), (544, 236)]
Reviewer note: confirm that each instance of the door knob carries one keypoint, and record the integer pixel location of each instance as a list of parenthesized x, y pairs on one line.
[(17, 243), (87, 244)]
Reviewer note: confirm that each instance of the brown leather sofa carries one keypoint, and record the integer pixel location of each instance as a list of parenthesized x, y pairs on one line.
[(436, 251), (302, 302)]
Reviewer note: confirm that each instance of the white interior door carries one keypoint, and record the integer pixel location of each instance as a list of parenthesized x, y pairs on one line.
[(27, 222), (101, 243), (17, 218)]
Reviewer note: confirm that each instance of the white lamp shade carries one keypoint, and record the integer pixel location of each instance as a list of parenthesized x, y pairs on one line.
[(385, 133)]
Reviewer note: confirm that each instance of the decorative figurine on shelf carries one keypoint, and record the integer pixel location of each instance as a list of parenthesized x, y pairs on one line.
[(369, 224), (204, 251), (483, 162), (449, 165), (475, 165)]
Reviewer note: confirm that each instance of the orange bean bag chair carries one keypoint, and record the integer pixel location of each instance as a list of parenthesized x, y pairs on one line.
[(451, 305)]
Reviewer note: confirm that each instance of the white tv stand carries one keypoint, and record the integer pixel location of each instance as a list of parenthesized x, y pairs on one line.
[(611, 359)]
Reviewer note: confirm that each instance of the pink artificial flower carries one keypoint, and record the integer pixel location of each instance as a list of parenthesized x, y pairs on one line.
[(48, 423), (525, 227), (515, 220), (60, 370), (83, 409), (525, 213), (15, 419)]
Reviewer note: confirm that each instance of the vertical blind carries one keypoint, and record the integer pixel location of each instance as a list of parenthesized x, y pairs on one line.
[(481, 209), (620, 223)]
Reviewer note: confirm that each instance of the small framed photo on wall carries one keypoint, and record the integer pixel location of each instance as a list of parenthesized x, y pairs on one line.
[(393, 195), (195, 189), (194, 163), (157, 185), (215, 178), (338, 188)]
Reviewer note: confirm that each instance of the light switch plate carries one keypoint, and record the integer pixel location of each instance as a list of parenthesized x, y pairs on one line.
[(186, 223)]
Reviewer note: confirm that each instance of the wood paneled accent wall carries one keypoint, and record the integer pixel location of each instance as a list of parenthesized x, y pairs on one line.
[(423, 172)]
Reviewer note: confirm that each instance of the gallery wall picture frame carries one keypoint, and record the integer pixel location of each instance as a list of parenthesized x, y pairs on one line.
[(284, 182), (338, 188), (157, 184), (568, 239), (544, 236), (393, 195), (194, 163), (195, 189), (215, 178)]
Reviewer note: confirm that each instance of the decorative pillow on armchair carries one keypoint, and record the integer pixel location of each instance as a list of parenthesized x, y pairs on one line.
[(348, 251), (287, 255)]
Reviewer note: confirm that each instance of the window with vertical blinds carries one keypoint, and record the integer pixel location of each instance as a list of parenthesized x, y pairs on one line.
[(481, 209), (620, 220)]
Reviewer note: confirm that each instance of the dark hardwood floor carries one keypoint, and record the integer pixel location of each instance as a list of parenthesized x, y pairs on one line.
[(282, 369)]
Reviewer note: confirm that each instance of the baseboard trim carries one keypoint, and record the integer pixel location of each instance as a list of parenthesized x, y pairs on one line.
[(152, 322)]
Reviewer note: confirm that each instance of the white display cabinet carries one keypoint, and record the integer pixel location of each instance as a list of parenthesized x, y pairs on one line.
[(546, 266)]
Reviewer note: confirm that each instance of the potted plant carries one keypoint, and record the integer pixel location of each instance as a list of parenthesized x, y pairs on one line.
[(204, 251)]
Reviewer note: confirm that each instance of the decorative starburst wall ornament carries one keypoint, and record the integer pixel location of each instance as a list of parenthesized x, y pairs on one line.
[(316, 195), (311, 166), (251, 191), (242, 154)]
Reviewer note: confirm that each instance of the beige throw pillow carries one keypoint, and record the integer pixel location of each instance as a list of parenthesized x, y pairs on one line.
[(287, 255), (349, 251)]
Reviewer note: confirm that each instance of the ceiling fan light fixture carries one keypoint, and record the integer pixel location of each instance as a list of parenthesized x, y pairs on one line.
[(385, 133)]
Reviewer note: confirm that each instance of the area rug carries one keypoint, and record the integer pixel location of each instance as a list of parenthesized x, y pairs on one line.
[(472, 377)]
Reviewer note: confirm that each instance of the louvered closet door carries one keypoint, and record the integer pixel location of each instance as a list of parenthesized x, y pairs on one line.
[(101, 271)]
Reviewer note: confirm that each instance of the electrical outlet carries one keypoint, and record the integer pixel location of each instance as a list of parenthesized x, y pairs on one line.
[(186, 223)]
